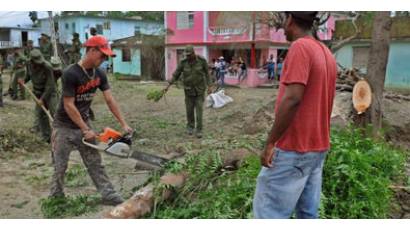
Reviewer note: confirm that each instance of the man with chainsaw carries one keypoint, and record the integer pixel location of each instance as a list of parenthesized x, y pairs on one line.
[(195, 77), (40, 73), (291, 177), (80, 82)]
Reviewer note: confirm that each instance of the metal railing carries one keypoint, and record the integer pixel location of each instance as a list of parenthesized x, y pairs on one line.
[(9, 44), (227, 30)]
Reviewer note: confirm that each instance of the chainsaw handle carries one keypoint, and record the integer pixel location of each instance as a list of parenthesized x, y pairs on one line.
[(91, 145)]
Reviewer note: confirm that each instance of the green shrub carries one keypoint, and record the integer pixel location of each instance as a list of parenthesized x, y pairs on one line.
[(357, 175), (212, 193)]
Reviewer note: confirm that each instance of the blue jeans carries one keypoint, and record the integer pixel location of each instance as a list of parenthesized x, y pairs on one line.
[(293, 183)]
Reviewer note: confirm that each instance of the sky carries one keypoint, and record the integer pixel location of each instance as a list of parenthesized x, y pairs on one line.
[(15, 18)]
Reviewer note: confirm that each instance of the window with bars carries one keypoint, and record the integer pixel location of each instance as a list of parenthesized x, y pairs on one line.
[(185, 19)]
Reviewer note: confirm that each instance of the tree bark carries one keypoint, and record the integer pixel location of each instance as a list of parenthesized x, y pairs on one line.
[(376, 67)]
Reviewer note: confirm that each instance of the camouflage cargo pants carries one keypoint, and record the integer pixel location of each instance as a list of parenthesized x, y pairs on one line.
[(194, 106), (41, 119), (18, 90), (65, 140)]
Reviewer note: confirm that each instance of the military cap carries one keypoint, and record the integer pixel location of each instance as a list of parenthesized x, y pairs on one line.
[(189, 50), (36, 56)]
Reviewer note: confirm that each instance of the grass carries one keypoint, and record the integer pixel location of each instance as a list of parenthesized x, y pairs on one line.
[(76, 176), (60, 207)]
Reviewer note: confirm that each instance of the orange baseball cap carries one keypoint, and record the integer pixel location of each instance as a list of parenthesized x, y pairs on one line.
[(101, 43)]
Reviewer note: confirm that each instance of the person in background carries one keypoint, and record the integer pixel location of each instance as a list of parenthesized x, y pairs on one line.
[(243, 72), (271, 67)]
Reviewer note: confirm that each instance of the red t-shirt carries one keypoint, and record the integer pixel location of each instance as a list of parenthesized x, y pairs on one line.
[(309, 62)]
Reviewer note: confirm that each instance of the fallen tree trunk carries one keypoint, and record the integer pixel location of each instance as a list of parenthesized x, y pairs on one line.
[(143, 201)]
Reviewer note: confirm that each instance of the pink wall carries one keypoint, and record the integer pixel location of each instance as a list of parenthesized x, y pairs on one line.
[(253, 79), (195, 34)]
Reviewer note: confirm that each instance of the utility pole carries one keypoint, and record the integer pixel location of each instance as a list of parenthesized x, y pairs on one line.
[(53, 34)]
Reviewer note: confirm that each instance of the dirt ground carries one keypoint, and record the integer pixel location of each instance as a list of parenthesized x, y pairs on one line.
[(160, 129)]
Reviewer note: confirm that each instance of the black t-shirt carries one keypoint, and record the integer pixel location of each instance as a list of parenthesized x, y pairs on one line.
[(75, 83)]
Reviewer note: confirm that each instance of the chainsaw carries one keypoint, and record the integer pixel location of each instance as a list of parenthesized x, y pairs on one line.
[(115, 144)]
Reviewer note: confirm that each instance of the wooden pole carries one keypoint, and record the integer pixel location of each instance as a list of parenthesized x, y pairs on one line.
[(53, 34), (50, 118)]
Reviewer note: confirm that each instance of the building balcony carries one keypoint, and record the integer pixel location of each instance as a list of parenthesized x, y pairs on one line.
[(9, 44), (227, 30)]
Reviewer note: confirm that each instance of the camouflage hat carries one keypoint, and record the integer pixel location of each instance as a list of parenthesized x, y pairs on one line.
[(189, 50), (76, 35), (36, 56), (20, 60), (55, 63), (44, 35)]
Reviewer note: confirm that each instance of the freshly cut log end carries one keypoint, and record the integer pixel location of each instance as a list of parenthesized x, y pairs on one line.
[(362, 96)]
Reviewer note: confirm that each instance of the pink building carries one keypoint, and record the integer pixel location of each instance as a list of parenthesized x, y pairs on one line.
[(232, 35)]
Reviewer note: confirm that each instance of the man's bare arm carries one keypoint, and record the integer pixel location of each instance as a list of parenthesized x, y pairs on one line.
[(286, 112)]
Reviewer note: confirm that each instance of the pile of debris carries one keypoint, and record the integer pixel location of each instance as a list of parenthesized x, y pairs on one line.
[(347, 78)]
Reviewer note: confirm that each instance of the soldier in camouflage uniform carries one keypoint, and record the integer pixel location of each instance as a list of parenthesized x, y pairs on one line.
[(1, 81), (57, 73), (29, 47), (45, 47), (19, 73), (195, 78), (74, 52), (44, 88)]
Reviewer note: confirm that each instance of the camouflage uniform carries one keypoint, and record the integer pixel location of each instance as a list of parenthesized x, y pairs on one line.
[(1, 81), (195, 78), (28, 49), (44, 88), (63, 141), (45, 47), (74, 52), (57, 73), (19, 73)]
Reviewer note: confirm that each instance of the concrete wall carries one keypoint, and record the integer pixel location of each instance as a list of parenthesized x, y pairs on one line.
[(398, 67), (194, 34), (119, 28), (129, 68), (15, 35)]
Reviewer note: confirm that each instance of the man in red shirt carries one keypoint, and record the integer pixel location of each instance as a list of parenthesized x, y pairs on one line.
[(296, 147)]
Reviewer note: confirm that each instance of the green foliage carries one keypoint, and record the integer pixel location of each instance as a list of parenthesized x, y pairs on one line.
[(155, 95), (212, 192), (357, 175), (76, 176), (59, 207)]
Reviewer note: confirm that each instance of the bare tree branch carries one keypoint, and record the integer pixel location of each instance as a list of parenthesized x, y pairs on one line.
[(340, 43)]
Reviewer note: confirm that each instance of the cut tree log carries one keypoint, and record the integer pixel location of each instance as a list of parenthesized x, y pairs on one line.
[(143, 201)]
